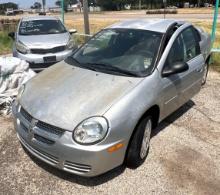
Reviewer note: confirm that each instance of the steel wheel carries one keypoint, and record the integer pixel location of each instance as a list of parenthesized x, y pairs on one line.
[(146, 139)]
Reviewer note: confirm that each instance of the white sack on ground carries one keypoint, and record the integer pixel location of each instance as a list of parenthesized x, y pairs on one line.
[(13, 73)]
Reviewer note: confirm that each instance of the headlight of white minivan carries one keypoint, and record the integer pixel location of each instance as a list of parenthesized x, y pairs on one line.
[(22, 48), (70, 44), (91, 130)]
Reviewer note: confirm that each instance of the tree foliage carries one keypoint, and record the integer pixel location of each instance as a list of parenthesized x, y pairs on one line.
[(119, 4), (36, 5), (5, 6)]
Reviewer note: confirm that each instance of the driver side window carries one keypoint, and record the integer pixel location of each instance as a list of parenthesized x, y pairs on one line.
[(176, 53)]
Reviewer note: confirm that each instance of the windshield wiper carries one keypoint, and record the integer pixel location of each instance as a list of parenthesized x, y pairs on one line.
[(74, 61), (109, 67)]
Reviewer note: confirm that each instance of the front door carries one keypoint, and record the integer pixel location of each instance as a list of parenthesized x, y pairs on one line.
[(179, 88)]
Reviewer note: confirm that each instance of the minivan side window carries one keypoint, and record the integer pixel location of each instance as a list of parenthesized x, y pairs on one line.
[(191, 44)]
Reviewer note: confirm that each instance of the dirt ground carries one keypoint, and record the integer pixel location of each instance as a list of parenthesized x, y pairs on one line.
[(184, 158)]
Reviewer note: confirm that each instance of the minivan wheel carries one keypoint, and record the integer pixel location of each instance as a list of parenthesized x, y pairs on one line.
[(205, 73), (139, 144)]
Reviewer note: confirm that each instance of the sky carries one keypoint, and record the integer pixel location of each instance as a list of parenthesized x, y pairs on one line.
[(28, 3)]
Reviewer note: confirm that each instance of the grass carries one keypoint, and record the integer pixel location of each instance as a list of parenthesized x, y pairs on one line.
[(216, 62), (95, 24), (5, 43)]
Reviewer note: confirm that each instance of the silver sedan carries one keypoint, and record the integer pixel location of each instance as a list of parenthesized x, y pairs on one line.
[(97, 109), (42, 41)]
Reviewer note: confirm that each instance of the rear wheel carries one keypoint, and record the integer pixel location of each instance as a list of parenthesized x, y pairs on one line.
[(139, 143)]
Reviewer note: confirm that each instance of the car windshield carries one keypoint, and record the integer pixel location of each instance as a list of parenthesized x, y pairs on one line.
[(39, 27), (120, 51)]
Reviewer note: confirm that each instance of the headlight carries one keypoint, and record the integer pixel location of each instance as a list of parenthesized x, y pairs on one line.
[(20, 91), (22, 48), (70, 44), (91, 130)]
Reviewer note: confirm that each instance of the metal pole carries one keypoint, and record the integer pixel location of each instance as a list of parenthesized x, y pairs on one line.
[(214, 25), (139, 4), (86, 16), (165, 5), (62, 10)]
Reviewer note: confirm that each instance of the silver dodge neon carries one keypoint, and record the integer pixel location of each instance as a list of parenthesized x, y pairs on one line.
[(96, 110)]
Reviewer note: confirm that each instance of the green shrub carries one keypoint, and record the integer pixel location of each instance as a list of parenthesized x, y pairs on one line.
[(216, 61), (162, 11), (5, 43)]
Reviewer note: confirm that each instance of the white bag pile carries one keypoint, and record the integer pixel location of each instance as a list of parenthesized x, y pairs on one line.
[(13, 73)]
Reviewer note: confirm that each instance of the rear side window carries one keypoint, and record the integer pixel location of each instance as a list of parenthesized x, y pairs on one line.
[(191, 44)]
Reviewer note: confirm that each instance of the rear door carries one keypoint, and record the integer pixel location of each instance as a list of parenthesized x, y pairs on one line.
[(192, 79)]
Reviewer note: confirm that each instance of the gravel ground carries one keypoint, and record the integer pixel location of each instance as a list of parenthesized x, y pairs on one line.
[(184, 158)]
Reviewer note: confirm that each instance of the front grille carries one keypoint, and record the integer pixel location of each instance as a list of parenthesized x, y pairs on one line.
[(50, 128), (51, 50), (23, 127), (47, 157), (43, 140), (70, 166), (26, 115), (43, 126)]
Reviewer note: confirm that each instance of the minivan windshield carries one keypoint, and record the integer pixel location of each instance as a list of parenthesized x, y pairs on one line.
[(41, 27), (120, 51)]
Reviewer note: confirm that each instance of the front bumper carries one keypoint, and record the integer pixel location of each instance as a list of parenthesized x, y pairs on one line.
[(37, 62), (61, 151)]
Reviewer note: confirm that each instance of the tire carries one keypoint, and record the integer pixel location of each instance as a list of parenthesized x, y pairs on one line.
[(206, 70), (137, 152)]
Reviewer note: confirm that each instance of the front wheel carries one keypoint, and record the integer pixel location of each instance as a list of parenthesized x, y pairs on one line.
[(139, 143)]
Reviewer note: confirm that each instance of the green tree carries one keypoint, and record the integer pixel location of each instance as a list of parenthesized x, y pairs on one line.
[(36, 5), (4, 6), (114, 4)]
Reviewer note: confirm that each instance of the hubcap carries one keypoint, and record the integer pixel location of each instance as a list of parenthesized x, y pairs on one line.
[(205, 73), (146, 139)]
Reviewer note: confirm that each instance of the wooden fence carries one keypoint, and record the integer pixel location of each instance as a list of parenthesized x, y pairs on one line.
[(8, 25)]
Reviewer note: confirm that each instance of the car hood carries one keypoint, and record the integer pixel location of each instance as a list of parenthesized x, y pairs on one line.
[(65, 95), (45, 41)]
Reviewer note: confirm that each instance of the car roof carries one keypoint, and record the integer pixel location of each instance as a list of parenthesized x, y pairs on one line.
[(157, 25), (31, 18)]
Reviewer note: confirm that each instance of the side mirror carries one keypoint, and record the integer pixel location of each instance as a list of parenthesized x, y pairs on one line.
[(12, 35), (176, 68), (72, 31)]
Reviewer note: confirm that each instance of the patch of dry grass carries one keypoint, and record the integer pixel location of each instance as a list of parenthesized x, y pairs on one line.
[(95, 24), (196, 10)]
